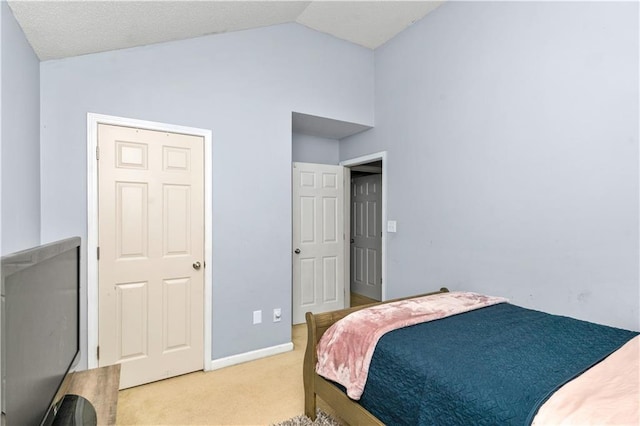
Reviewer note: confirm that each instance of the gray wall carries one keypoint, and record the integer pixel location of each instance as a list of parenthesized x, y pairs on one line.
[(20, 137), (512, 138), (314, 149), (244, 86), (3, 10)]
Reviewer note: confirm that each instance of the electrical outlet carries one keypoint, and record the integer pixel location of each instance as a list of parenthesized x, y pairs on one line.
[(257, 317), (277, 315)]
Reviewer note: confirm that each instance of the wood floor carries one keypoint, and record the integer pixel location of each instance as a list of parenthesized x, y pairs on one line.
[(358, 299)]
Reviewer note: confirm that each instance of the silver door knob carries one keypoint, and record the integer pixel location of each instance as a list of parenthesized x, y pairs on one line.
[(196, 265), (297, 251)]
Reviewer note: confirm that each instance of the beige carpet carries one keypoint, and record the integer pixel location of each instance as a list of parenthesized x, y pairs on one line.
[(262, 392)]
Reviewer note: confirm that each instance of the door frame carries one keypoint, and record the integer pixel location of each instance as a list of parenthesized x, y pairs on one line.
[(93, 120), (382, 155)]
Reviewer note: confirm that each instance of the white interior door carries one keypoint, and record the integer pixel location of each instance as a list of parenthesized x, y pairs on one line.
[(366, 235), (318, 239), (151, 242)]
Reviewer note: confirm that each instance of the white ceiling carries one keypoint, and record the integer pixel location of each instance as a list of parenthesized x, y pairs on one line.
[(63, 28), (324, 127)]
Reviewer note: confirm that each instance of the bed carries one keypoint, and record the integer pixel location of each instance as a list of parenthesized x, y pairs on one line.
[(405, 364)]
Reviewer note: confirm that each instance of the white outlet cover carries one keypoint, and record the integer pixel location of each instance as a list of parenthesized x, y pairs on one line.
[(391, 226), (257, 317)]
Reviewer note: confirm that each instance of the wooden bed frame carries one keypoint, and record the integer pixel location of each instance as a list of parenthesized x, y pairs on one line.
[(316, 386)]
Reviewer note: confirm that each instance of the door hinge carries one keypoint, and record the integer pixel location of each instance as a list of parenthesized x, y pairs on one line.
[(98, 351), (98, 252), (97, 152)]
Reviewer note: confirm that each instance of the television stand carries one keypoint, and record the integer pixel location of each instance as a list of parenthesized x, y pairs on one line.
[(100, 387)]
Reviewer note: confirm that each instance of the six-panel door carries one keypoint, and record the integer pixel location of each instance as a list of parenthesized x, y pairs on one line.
[(366, 232), (318, 239), (151, 234)]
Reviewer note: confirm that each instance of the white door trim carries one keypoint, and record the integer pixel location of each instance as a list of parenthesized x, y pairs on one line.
[(363, 160), (347, 236), (92, 224)]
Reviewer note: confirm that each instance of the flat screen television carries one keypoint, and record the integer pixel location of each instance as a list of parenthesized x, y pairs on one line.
[(40, 329)]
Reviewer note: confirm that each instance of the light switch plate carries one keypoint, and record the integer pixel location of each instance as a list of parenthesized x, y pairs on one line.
[(391, 226)]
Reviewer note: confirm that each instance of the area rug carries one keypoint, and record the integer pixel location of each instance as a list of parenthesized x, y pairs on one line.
[(322, 419)]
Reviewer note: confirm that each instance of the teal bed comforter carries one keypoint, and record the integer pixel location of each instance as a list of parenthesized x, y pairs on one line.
[(493, 366)]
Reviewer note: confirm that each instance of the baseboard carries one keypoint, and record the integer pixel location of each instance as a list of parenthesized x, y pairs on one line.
[(217, 364)]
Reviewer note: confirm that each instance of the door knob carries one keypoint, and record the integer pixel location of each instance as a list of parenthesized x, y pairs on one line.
[(297, 251), (352, 241), (196, 265)]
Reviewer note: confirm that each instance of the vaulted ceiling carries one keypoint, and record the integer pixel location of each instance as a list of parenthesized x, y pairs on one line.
[(59, 29)]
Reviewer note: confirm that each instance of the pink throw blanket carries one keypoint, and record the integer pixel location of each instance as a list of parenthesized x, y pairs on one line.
[(346, 348)]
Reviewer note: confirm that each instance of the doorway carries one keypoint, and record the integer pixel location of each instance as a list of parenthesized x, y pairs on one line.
[(318, 259), (367, 214), (364, 260), (94, 121), (366, 233)]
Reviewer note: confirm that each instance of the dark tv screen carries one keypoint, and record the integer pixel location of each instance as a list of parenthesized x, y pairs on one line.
[(40, 328)]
